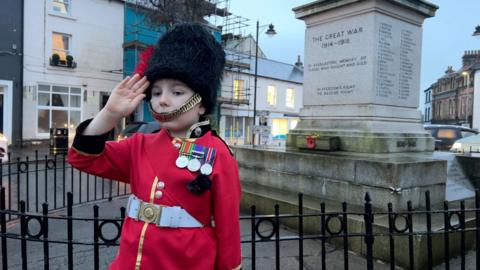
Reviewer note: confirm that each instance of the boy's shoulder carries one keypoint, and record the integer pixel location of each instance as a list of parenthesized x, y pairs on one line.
[(221, 145)]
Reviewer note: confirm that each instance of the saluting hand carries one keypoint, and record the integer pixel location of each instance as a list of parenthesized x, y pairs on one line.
[(126, 96)]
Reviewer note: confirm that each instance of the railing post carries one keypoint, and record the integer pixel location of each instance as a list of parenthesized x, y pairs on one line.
[(462, 234), (446, 236), (429, 230), (18, 184), (3, 224), (300, 230), (96, 256), (36, 181), (277, 237), (70, 230), (27, 183), (64, 172), (55, 181), (391, 231), (477, 228), (23, 233), (46, 253), (368, 219), (252, 228), (323, 233), (410, 233), (345, 235)]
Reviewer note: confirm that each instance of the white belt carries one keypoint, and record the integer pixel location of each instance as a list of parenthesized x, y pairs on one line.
[(162, 216)]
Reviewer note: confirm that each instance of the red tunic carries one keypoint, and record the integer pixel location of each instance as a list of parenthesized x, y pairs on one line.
[(141, 159)]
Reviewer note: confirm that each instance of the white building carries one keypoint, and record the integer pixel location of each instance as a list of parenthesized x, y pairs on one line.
[(65, 93), (277, 104), (476, 97)]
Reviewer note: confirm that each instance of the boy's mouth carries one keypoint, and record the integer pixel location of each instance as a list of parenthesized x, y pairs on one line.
[(169, 116)]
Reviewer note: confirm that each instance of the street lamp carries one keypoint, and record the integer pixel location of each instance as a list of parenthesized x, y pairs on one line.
[(270, 32)]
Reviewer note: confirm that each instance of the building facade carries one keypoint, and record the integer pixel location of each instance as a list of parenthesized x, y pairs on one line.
[(72, 60), (11, 72), (276, 102), (453, 94)]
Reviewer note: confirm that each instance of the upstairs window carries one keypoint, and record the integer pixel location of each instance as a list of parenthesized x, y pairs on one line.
[(290, 98), (61, 6), (271, 95), (61, 45), (238, 89)]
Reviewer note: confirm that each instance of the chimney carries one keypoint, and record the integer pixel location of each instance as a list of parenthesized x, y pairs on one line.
[(299, 63), (449, 70), (470, 57)]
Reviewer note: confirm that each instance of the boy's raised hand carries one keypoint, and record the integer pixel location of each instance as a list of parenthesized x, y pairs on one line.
[(126, 96)]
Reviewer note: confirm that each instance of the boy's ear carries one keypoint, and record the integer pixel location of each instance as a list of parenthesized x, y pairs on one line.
[(201, 109)]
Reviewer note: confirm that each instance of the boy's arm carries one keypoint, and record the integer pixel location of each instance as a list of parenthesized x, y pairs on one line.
[(93, 154), (226, 209)]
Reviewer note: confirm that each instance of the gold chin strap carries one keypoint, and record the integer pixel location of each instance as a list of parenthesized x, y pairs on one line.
[(169, 116)]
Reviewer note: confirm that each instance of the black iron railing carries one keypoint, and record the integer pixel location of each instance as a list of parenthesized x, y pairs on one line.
[(48, 179), (333, 229)]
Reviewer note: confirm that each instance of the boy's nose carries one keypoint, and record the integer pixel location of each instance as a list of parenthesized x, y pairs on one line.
[(164, 100)]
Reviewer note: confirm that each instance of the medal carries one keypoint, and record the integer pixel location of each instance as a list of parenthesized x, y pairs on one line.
[(197, 154), (193, 165), (206, 169), (181, 162)]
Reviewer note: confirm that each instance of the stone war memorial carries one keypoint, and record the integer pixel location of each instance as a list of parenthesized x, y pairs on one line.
[(360, 128)]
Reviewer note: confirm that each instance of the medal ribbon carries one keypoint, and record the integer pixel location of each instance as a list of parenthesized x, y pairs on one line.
[(186, 149), (210, 156), (198, 151)]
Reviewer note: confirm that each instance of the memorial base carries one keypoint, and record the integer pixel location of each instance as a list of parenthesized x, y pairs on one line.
[(363, 142)]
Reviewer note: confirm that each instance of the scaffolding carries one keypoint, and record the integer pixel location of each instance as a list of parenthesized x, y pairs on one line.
[(234, 100)]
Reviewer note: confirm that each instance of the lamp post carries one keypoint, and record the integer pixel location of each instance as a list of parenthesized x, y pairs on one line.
[(270, 32)]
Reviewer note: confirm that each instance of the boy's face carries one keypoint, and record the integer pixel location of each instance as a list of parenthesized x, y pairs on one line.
[(170, 94)]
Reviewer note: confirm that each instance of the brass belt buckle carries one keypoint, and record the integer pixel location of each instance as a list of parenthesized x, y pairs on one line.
[(149, 213)]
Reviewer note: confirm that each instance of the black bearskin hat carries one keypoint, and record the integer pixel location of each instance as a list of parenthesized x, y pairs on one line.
[(189, 53)]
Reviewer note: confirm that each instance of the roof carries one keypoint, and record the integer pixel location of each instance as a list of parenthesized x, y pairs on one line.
[(269, 68)]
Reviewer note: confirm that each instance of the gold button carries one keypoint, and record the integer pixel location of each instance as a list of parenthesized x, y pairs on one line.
[(158, 194), (160, 185)]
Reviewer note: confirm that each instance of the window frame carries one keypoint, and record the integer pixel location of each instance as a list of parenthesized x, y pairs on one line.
[(292, 97), (238, 92), (50, 108), (67, 3), (67, 52), (274, 99)]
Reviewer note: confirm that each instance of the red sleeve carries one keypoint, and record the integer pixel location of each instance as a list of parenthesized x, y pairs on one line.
[(95, 155), (226, 203), (113, 163)]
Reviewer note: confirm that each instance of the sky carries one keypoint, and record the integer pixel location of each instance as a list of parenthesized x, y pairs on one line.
[(445, 36)]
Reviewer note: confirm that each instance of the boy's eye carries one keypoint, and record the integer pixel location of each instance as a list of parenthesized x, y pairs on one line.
[(156, 93), (177, 93)]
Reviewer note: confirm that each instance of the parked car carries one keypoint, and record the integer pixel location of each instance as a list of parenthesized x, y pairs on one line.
[(467, 144), (446, 135), (142, 127)]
